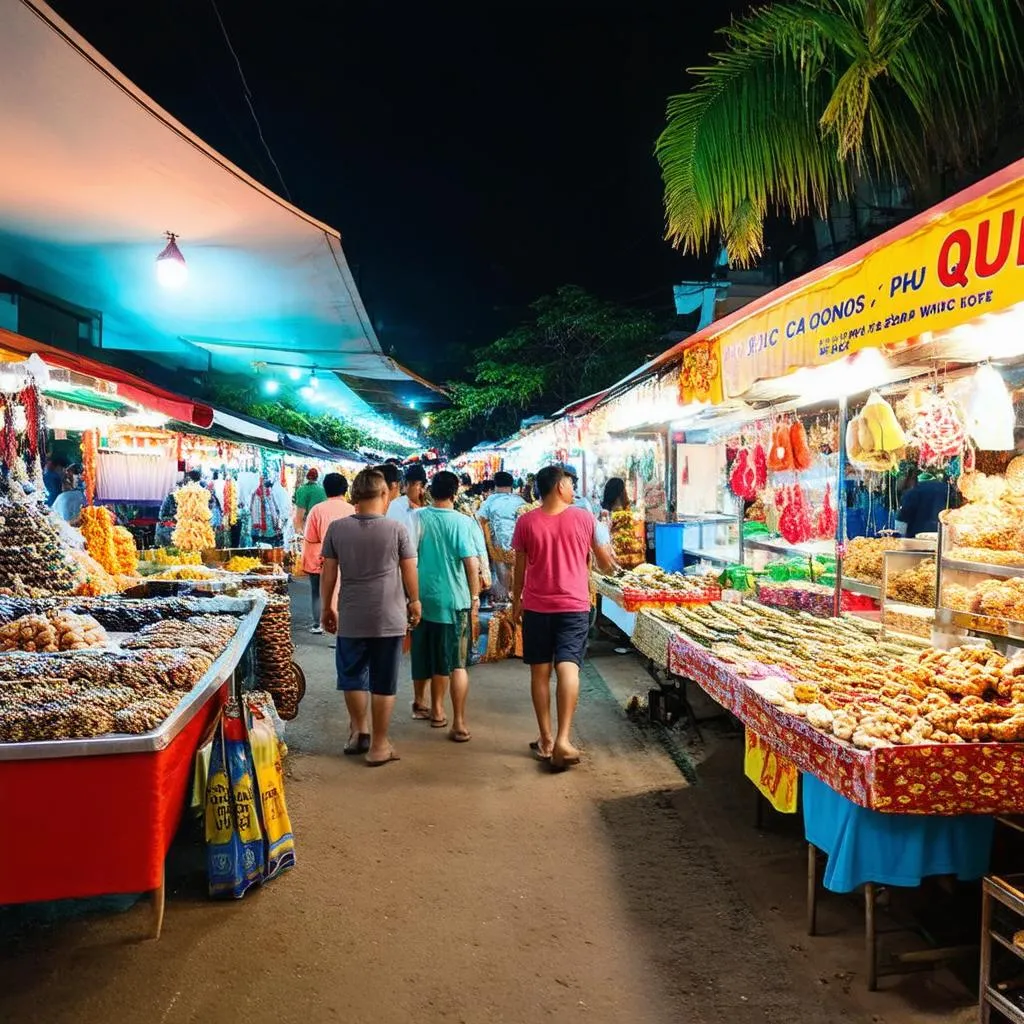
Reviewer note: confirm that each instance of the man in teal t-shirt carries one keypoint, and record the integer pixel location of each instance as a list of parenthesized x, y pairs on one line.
[(450, 591)]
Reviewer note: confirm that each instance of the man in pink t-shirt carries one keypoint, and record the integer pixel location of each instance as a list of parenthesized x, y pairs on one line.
[(551, 595), (318, 519)]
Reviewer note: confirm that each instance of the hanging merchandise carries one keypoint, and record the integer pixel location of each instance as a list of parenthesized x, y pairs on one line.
[(89, 456), (988, 409), (98, 531), (30, 402), (8, 434), (760, 468), (742, 478), (802, 456), (794, 516), (780, 458), (828, 517), (230, 501), (875, 439), (937, 431)]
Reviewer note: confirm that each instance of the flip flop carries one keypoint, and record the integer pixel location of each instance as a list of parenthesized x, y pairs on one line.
[(387, 760), (535, 747), (361, 745), (563, 763), (460, 737), (439, 723), (420, 712)]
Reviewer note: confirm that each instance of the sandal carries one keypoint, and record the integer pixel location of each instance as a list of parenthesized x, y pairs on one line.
[(438, 723), (420, 712), (537, 753), (360, 746), (561, 764), (460, 736), (392, 756)]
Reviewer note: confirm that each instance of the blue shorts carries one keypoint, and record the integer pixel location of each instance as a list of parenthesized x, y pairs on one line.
[(369, 664), (549, 638)]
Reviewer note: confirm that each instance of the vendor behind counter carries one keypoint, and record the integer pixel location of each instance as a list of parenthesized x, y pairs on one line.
[(927, 496)]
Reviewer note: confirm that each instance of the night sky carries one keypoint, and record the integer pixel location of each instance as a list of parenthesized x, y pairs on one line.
[(473, 158)]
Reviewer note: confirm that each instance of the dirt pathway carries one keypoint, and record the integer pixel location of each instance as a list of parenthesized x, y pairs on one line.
[(463, 884)]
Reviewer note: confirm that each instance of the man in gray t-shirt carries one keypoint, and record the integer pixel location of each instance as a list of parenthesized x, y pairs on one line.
[(378, 602)]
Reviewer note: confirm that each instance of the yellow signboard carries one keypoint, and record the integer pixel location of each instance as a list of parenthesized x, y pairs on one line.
[(967, 261)]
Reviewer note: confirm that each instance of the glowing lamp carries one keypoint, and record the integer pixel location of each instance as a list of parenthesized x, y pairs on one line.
[(295, 373), (307, 393), (271, 386), (171, 270)]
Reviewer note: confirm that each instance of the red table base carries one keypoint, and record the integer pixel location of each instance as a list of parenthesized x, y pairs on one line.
[(98, 825), (961, 778)]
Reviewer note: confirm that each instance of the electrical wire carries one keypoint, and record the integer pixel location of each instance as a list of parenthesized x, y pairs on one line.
[(247, 93)]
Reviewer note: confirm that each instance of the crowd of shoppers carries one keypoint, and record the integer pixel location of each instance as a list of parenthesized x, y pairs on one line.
[(393, 570)]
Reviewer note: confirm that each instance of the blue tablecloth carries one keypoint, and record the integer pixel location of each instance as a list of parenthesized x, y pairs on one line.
[(892, 849)]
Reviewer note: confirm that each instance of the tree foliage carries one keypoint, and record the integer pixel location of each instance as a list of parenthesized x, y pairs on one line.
[(573, 345), (324, 428), (808, 95)]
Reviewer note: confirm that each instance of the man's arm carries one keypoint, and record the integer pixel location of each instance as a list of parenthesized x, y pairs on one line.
[(518, 578), (604, 556), (411, 582), (472, 567), (330, 575)]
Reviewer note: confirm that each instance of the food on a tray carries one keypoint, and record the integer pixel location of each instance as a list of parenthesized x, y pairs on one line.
[(913, 586), (242, 563), (909, 622), (628, 540), (994, 525), (816, 598), (1003, 599), (864, 555), (171, 556), (274, 653), (210, 633), (649, 585), (192, 531), (185, 572)]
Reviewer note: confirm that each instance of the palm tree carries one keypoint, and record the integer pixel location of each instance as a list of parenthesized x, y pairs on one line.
[(811, 95)]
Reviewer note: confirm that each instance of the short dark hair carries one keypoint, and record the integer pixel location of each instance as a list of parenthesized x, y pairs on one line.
[(487, 487), (391, 473), (415, 475), (444, 486), (335, 485), (466, 480), (368, 485), (503, 479), (195, 475), (549, 478)]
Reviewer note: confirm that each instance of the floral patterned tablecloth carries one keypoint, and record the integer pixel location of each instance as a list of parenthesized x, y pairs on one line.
[(962, 778)]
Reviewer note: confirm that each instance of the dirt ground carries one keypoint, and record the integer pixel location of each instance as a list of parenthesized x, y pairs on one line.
[(466, 884)]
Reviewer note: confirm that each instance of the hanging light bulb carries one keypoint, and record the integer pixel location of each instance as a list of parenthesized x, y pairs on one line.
[(271, 386), (307, 393), (171, 270), (295, 373), (313, 382)]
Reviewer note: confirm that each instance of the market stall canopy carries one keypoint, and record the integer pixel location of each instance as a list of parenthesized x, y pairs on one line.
[(94, 173), (958, 262), (129, 387)]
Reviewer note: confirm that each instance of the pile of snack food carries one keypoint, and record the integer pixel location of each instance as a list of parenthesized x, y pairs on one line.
[(185, 572), (274, 654), (628, 540), (242, 563), (192, 530), (172, 556), (1003, 599), (815, 598), (54, 630), (649, 586), (112, 546), (864, 557), (844, 681), (33, 559), (913, 586), (915, 622), (64, 675), (990, 527)]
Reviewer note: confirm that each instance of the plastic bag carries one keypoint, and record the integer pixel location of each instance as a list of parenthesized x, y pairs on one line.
[(234, 839), (277, 826)]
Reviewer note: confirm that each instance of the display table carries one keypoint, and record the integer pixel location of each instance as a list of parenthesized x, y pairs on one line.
[(964, 778), (615, 613), (92, 817)]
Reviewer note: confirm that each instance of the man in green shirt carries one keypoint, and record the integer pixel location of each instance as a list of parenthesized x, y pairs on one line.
[(309, 494), (450, 591)]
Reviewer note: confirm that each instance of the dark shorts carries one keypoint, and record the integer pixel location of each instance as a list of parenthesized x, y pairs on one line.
[(550, 638), (439, 648), (369, 664)]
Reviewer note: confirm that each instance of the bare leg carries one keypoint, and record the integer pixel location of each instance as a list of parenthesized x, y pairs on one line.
[(540, 690), (358, 704), (460, 693), (419, 692), (567, 697), (380, 745), (438, 689)]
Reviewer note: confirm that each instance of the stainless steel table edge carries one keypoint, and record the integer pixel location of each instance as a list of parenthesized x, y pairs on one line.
[(163, 735)]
